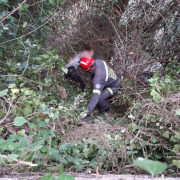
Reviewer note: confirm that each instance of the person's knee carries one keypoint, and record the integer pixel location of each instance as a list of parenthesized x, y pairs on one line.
[(103, 104), (102, 100)]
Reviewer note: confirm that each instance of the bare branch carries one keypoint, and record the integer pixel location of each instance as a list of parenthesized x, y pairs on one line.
[(13, 11), (18, 161)]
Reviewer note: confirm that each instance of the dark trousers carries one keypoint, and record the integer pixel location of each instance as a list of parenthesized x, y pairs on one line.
[(106, 94), (74, 75)]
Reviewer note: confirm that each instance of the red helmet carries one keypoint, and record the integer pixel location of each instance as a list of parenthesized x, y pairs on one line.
[(87, 63)]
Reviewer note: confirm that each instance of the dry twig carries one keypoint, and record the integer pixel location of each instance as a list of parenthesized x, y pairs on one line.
[(13, 11), (18, 161)]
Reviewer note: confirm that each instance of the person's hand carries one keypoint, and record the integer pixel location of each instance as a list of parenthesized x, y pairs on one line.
[(85, 114)]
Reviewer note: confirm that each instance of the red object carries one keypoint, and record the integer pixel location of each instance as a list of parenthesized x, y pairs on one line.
[(87, 63)]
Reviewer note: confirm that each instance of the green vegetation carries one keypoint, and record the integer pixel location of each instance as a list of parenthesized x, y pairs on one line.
[(40, 129), (61, 176), (152, 167)]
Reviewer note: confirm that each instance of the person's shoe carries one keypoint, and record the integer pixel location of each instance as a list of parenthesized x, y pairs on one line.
[(83, 88), (103, 111), (106, 110)]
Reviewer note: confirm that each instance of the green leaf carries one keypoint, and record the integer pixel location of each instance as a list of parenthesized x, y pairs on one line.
[(45, 56), (36, 127), (76, 153), (176, 163), (70, 159), (1, 129), (24, 24), (19, 121), (25, 7), (51, 1), (156, 96), (2, 113), (66, 147), (108, 136), (62, 160), (177, 112), (173, 139), (123, 131), (31, 125), (47, 177), (11, 86), (65, 177), (154, 140), (4, 1), (53, 152), (157, 124), (166, 134), (37, 70), (131, 116), (53, 169), (77, 161), (41, 124), (37, 145), (176, 148), (65, 70), (86, 152), (152, 167), (12, 146), (3, 93), (61, 169), (14, 156), (101, 13), (61, 64), (36, 101), (21, 133), (26, 111), (44, 149)]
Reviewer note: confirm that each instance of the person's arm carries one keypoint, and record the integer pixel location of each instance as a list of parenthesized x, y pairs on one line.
[(73, 58), (97, 89), (74, 61)]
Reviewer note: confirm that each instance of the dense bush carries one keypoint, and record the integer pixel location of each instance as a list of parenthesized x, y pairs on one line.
[(39, 109)]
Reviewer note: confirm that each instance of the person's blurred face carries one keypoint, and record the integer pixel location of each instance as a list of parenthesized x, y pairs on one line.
[(87, 53)]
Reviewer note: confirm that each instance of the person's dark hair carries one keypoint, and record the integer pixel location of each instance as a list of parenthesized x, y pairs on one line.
[(87, 47)]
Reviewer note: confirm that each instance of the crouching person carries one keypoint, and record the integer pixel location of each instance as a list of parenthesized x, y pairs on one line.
[(105, 84)]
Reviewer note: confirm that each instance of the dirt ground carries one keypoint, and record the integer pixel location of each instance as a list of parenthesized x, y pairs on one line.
[(122, 177), (80, 176)]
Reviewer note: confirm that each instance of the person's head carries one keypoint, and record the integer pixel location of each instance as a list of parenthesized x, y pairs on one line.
[(87, 51), (87, 63)]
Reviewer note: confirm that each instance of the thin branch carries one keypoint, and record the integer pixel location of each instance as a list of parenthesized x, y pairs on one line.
[(29, 146), (9, 110), (18, 161), (13, 11), (26, 65), (22, 72), (34, 81), (37, 2), (32, 30), (153, 61), (97, 173)]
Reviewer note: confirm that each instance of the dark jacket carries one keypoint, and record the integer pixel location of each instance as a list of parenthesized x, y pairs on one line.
[(103, 77)]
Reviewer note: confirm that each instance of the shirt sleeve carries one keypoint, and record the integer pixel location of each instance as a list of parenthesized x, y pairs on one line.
[(74, 62), (98, 86)]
